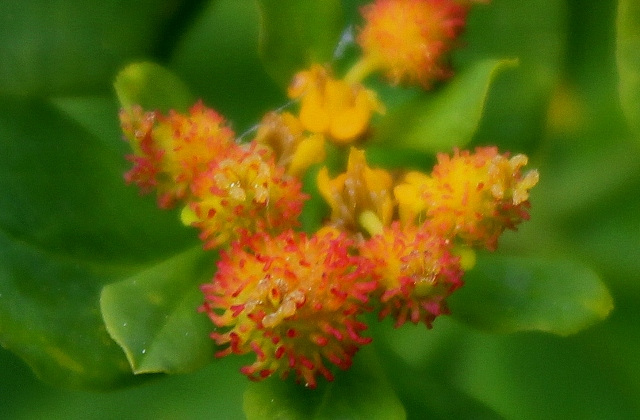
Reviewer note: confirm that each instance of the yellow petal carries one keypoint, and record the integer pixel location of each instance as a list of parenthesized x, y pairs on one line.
[(309, 151)]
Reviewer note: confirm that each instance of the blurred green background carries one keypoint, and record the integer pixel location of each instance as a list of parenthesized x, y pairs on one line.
[(561, 106)]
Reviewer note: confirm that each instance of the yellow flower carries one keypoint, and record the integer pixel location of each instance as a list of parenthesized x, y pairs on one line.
[(170, 151), (294, 150), (416, 272), (359, 191), (409, 39), (471, 196), (336, 108), (245, 192), (292, 300)]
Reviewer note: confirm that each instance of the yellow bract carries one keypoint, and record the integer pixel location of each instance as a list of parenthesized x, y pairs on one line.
[(360, 189), (337, 108)]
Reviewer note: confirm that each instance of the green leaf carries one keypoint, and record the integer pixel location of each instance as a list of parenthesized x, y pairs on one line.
[(628, 58), (153, 315), (420, 363), (214, 392), (508, 294), (362, 392), (68, 226), (297, 33), (535, 32), (218, 58), (447, 118), (49, 317), (152, 87), (66, 48)]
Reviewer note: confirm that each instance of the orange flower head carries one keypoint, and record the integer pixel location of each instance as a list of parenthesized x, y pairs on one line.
[(294, 149), (471, 196), (336, 108), (292, 300), (409, 39), (244, 191), (416, 273), (171, 151), (359, 190)]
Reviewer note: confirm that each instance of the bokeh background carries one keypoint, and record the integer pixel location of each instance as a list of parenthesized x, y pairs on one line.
[(561, 106)]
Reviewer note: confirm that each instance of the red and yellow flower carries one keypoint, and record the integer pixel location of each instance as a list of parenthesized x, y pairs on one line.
[(470, 196), (416, 272), (409, 39), (171, 151), (293, 301), (243, 192)]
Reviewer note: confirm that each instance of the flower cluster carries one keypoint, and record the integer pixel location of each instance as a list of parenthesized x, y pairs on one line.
[(226, 187), (391, 243)]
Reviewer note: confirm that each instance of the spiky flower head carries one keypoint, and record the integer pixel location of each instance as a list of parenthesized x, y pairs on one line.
[(416, 272), (360, 190), (409, 39), (337, 108), (470, 196), (292, 300), (244, 191), (170, 151), (293, 148)]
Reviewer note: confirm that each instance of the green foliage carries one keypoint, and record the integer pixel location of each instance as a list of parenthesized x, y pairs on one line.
[(153, 315), (447, 118), (75, 48), (297, 33), (217, 56), (535, 33), (628, 59), (62, 241), (151, 86), (509, 294), (361, 393), (98, 287)]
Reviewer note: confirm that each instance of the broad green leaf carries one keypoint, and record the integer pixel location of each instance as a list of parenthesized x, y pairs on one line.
[(297, 33), (65, 48), (218, 58), (63, 189), (434, 398), (68, 226), (579, 181), (534, 32), (524, 375), (446, 118), (418, 362), (628, 58), (152, 87), (509, 294), (362, 392), (49, 316), (153, 315), (213, 393)]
